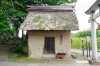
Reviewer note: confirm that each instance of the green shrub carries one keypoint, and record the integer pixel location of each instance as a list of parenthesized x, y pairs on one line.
[(16, 47), (25, 50), (82, 34), (20, 47), (77, 43)]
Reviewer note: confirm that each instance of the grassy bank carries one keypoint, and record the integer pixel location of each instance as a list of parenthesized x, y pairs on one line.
[(77, 43)]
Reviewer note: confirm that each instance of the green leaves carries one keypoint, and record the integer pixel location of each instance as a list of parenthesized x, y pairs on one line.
[(2, 16), (53, 2), (83, 34), (4, 26), (20, 14), (19, 6)]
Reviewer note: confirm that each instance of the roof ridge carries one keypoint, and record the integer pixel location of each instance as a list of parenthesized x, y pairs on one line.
[(51, 8)]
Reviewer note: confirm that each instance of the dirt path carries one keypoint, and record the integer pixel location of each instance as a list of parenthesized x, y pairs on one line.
[(4, 52)]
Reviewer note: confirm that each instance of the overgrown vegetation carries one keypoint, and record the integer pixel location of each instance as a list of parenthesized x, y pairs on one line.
[(20, 47), (76, 39)]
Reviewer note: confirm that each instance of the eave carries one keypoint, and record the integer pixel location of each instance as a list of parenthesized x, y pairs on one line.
[(94, 7)]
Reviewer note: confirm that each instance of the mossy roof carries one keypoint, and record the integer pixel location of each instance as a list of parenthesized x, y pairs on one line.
[(43, 20)]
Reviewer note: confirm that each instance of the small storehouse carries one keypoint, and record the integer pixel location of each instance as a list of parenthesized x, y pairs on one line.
[(49, 29)]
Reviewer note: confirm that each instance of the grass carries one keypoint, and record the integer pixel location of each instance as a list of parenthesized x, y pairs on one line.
[(79, 56), (25, 59), (77, 43)]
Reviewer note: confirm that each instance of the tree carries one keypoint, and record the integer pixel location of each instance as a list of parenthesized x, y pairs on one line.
[(83, 34)]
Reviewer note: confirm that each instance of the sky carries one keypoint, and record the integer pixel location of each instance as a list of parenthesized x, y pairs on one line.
[(81, 7)]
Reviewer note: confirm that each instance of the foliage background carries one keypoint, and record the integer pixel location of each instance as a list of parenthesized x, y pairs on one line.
[(76, 39)]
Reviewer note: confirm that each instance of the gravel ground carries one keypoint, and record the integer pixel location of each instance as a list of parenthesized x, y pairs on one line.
[(39, 64)]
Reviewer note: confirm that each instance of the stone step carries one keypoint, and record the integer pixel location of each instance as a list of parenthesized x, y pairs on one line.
[(49, 55)]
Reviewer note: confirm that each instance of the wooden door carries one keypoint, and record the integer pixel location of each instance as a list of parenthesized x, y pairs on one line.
[(49, 45)]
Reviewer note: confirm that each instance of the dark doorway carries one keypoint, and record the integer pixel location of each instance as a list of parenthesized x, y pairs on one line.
[(49, 45)]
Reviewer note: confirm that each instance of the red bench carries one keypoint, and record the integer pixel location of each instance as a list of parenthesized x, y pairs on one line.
[(60, 55)]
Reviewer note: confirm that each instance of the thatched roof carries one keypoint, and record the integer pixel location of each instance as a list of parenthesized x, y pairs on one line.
[(50, 19)]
